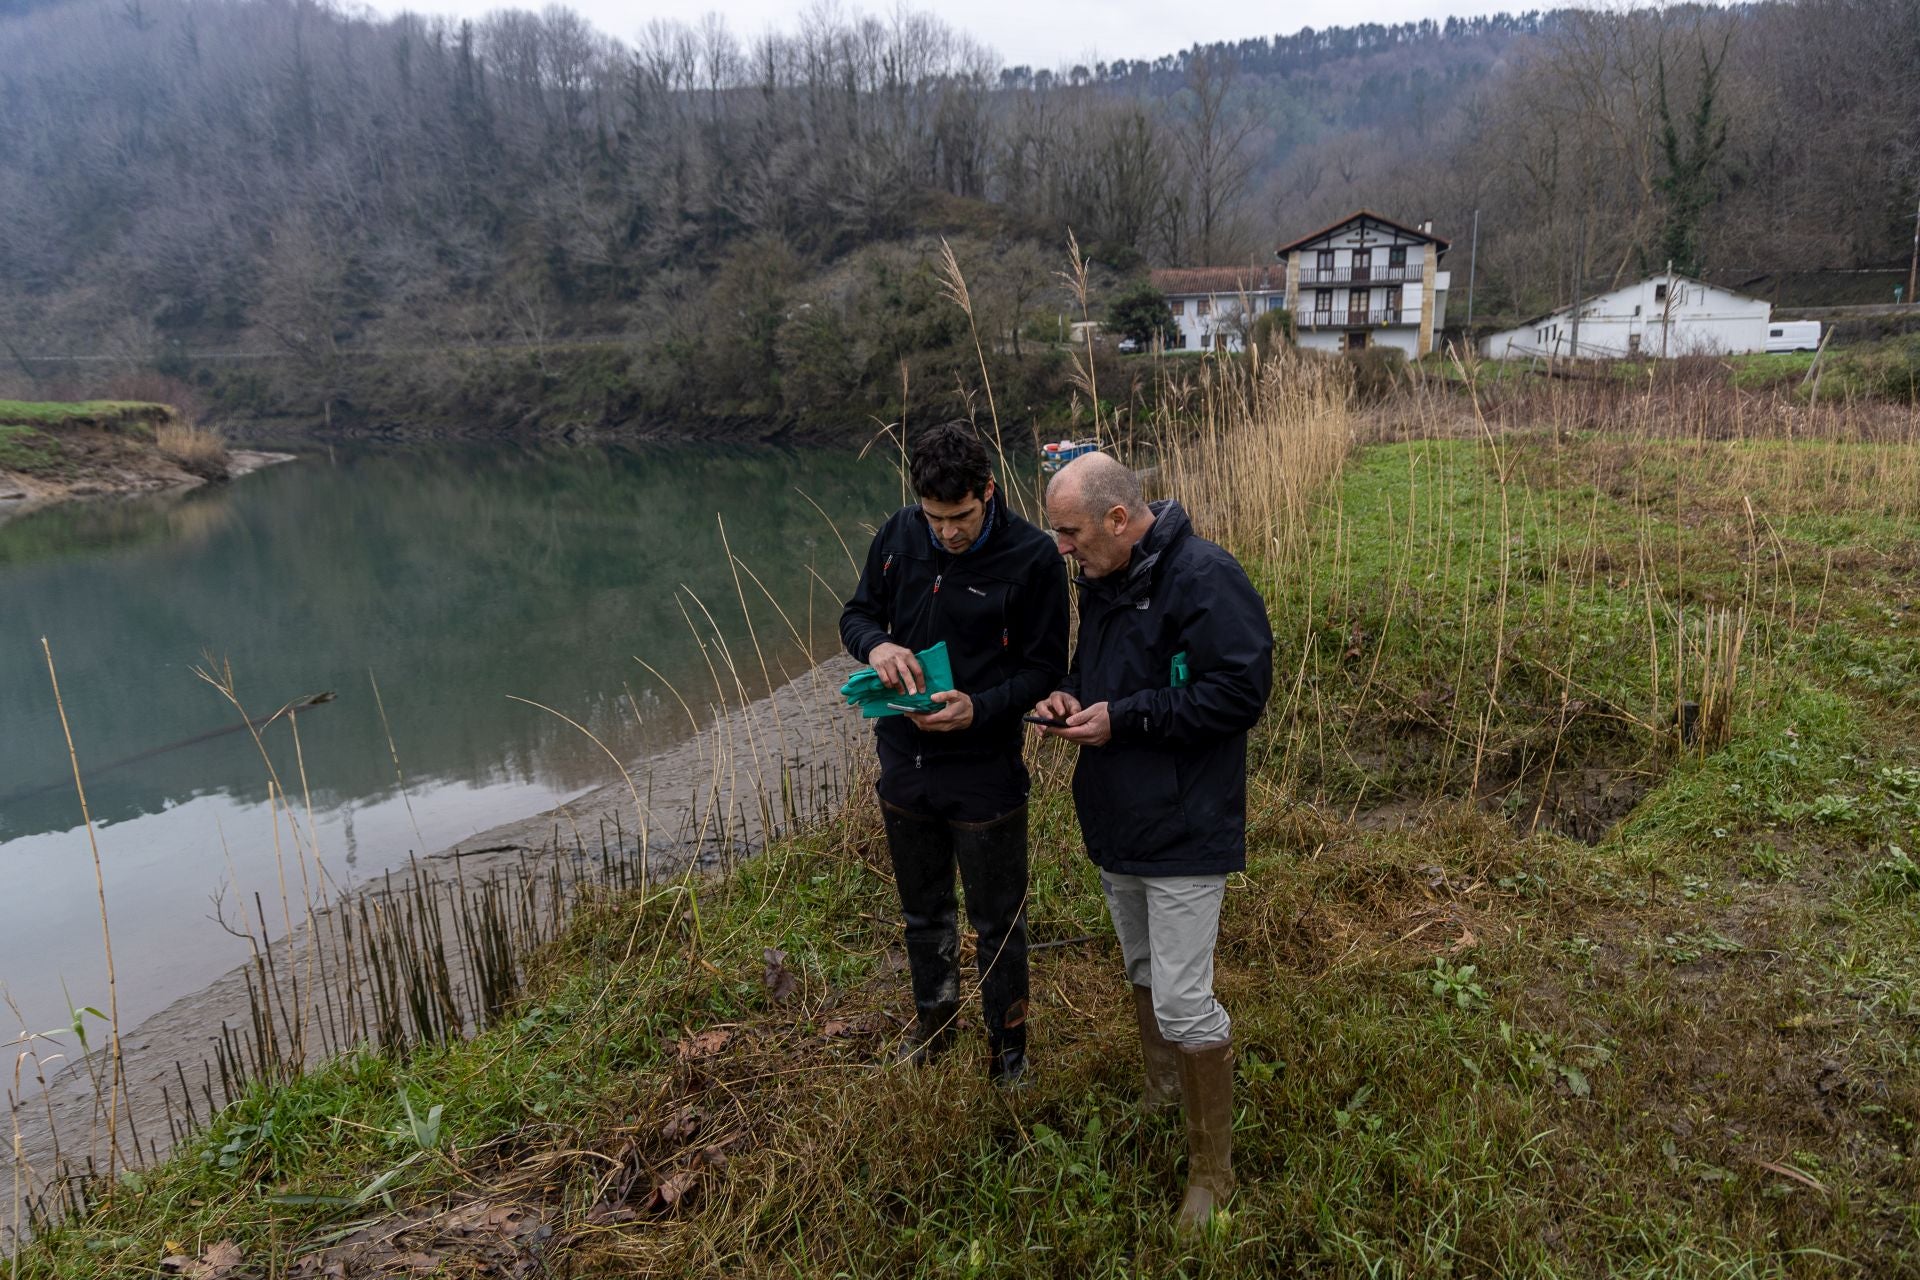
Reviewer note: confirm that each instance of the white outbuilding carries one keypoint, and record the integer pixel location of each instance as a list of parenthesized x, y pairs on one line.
[(1662, 316), (1214, 308)]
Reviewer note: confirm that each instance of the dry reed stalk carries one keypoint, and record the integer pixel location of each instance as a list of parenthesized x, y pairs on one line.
[(640, 810), (201, 450), (1716, 654), (1086, 373), (766, 678), (393, 753), (954, 285), (1261, 455), (117, 1087)]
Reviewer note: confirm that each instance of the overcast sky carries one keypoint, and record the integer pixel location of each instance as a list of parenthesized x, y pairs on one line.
[(1039, 33)]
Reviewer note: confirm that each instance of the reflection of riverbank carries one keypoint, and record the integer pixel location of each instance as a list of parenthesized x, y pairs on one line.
[(455, 577), (140, 474), (778, 761)]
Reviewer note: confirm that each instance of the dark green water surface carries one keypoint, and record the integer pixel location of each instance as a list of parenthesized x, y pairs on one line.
[(457, 577)]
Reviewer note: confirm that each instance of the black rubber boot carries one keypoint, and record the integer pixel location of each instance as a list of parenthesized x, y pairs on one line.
[(922, 849), (993, 870)]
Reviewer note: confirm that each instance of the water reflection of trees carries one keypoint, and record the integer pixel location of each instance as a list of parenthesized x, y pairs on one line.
[(458, 575)]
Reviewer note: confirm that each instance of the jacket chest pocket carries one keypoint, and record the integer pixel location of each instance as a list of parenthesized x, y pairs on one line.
[(976, 610)]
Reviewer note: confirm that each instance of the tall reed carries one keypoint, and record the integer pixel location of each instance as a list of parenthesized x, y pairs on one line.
[(116, 1090), (1251, 448)]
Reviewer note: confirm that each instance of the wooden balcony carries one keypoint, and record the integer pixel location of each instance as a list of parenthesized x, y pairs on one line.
[(1357, 319), (1360, 275)]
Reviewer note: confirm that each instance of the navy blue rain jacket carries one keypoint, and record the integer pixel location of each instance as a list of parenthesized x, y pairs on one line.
[(1168, 795)]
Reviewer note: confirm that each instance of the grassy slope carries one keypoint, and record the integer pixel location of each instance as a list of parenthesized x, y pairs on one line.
[(1686, 1050), (31, 431), (1886, 369)]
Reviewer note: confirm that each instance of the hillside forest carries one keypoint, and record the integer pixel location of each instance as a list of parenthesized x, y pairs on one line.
[(523, 217)]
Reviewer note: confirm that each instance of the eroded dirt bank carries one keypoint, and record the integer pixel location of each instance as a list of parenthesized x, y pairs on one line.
[(52, 453)]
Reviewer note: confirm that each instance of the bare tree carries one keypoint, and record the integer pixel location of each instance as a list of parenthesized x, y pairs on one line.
[(1215, 127)]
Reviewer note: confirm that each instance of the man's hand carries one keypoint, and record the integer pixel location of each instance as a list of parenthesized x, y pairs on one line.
[(956, 714), (1055, 706), (1087, 726), (897, 667)]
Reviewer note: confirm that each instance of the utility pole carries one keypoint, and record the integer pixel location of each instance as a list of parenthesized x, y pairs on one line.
[(1579, 279), (1473, 259), (1666, 312), (1913, 264)]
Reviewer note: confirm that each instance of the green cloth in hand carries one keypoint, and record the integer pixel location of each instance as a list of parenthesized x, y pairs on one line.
[(864, 688)]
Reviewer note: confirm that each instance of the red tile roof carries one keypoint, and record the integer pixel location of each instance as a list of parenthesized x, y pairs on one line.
[(1220, 280)]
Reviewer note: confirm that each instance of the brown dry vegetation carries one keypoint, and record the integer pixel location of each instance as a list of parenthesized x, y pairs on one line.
[(199, 450)]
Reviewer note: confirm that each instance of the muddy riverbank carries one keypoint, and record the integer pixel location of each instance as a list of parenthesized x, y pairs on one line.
[(115, 470)]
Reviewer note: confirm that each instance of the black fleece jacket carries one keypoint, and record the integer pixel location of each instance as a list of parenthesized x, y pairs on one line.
[(1001, 608), (1168, 795)]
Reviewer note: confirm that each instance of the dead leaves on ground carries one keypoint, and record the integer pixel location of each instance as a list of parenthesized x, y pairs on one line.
[(480, 1238), (781, 982), (220, 1261), (703, 1044), (670, 1179)]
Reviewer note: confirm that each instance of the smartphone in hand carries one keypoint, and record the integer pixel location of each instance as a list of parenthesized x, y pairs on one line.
[(1047, 721)]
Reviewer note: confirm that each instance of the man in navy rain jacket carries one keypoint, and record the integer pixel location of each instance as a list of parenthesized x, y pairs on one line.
[(1173, 666)]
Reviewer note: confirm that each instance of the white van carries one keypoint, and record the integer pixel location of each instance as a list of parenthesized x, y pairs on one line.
[(1793, 335)]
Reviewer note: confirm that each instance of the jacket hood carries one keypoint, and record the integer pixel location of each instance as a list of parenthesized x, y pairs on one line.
[(1170, 525)]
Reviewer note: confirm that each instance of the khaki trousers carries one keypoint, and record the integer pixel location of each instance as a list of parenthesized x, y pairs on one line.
[(1167, 926)]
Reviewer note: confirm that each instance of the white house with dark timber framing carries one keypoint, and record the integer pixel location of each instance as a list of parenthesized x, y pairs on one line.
[(1214, 307), (1662, 316), (1367, 281)]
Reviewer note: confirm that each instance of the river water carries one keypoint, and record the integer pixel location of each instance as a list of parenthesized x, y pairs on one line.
[(458, 579)]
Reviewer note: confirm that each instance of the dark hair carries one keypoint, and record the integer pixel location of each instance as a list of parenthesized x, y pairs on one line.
[(947, 462)]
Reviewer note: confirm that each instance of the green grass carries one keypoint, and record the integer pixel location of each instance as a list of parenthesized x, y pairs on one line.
[(27, 450), (129, 417), (1767, 368), (1887, 370), (1684, 1046)]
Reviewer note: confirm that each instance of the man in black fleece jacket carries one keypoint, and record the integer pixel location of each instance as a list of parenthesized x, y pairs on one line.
[(963, 567)]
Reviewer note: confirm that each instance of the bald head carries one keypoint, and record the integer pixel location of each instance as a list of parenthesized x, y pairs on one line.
[(1098, 513), (1094, 484)]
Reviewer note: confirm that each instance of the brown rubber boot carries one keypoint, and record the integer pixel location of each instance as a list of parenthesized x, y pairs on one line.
[(1162, 1058), (1206, 1078)]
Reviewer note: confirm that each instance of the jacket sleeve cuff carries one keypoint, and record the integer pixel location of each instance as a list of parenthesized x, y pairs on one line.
[(862, 644), (1132, 719)]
